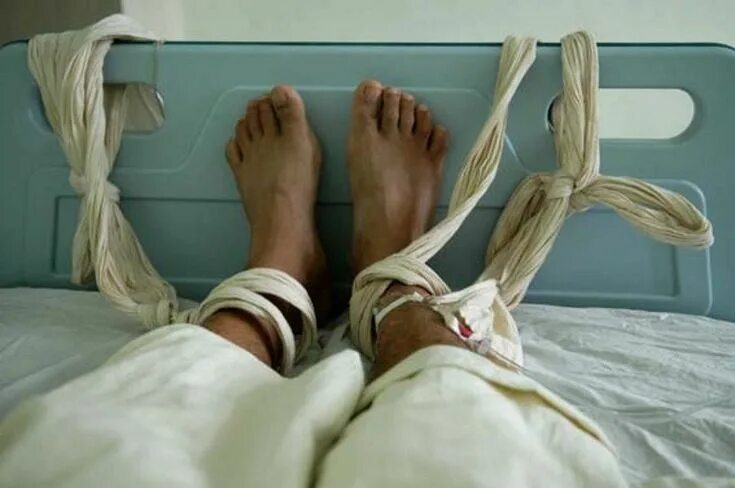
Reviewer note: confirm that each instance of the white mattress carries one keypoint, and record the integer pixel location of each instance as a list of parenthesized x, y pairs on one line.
[(661, 385)]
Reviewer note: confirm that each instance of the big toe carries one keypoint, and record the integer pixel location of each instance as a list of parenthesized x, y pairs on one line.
[(366, 103), (289, 108)]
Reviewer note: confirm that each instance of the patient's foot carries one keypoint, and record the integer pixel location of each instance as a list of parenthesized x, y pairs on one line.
[(395, 157), (275, 159)]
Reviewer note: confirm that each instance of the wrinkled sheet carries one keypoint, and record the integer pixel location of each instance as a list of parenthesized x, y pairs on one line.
[(662, 386), (48, 337)]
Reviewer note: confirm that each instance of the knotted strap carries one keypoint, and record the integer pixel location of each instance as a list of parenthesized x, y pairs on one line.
[(538, 207), (535, 212), (68, 70), (245, 291), (409, 266)]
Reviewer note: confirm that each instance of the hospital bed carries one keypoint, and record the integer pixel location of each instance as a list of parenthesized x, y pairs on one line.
[(635, 333)]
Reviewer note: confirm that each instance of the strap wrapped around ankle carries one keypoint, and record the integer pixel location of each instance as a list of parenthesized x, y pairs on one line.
[(476, 315), (534, 214), (68, 70), (374, 280), (409, 265), (244, 291)]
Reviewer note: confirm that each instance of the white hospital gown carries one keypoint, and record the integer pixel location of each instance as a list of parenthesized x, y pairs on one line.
[(181, 406)]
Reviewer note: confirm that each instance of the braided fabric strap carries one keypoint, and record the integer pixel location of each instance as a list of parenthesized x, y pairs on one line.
[(68, 70), (537, 209), (409, 265), (244, 291), (534, 214)]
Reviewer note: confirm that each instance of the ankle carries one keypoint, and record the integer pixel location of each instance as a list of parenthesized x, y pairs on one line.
[(246, 331), (294, 253), (409, 328), (379, 238)]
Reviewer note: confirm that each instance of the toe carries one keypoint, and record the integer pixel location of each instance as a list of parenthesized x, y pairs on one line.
[(423, 123), (408, 108), (366, 104), (438, 142), (252, 119), (267, 117), (242, 134), (391, 110), (289, 108), (233, 153)]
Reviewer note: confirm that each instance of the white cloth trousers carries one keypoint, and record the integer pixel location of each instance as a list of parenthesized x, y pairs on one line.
[(181, 406)]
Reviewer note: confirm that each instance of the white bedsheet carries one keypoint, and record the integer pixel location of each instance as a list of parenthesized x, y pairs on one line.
[(48, 337), (662, 386)]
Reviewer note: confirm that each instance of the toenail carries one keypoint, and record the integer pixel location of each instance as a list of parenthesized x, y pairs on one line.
[(423, 108), (280, 97), (372, 93), (392, 92)]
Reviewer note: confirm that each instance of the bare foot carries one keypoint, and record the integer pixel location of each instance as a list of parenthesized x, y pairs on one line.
[(275, 159), (395, 157)]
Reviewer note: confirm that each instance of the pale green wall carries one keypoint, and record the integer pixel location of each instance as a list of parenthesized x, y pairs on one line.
[(413, 20), (463, 21)]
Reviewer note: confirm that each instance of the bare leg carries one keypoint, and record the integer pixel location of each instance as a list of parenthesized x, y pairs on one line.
[(407, 329), (395, 157), (275, 159)]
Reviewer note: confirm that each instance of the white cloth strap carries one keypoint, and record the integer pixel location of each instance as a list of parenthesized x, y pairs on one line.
[(247, 291), (68, 70), (535, 212), (409, 265), (467, 315), (380, 313)]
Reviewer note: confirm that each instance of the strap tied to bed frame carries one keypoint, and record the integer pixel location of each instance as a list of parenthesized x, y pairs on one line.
[(409, 265), (562, 186), (68, 70), (537, 209), (83, 188)]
